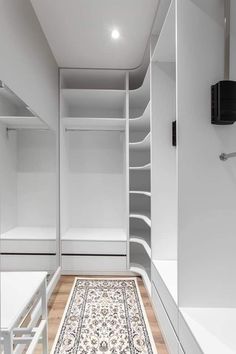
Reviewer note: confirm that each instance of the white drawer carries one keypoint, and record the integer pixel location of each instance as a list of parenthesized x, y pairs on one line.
[(93, 247), (29, 262), (93, 264), (165, 324), (166, 298)]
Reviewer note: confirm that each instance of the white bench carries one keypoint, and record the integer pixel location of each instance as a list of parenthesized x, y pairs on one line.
[(20, 292)]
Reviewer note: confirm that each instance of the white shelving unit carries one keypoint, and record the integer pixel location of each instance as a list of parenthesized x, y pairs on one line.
[(139, 181), (93, 176), (28, 188)]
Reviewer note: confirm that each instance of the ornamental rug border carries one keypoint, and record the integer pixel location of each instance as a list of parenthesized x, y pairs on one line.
[(104, 316)]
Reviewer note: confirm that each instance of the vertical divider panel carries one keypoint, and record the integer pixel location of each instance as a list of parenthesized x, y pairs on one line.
[(127, 163)]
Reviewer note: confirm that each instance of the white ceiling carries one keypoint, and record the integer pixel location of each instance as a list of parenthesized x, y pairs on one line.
[(79, 31)]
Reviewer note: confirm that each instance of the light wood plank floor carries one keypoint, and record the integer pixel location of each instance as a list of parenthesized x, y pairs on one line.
[(59, 299)]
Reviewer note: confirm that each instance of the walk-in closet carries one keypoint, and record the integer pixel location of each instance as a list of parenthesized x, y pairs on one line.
[(118, 176)]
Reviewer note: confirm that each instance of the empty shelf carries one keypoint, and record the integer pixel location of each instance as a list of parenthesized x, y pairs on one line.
[(144, 216), (94, 103), (168, 272), (140, 97), (213, 328), (141, 145), (22, 122), (141, 123), (165, 47), (145, 167), (148, 194), (99, 234), (30, 233), (94, 123), (142, 242), (22, 240)]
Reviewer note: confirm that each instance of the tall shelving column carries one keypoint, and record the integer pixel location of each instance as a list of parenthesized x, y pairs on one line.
[(139, 181)]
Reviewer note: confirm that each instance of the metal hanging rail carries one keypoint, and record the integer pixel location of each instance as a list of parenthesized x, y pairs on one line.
[(93, 130), (224, 157)]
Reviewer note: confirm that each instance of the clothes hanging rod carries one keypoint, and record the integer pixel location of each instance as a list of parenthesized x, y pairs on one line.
[(14, 129), (93, 130), (224, 157)]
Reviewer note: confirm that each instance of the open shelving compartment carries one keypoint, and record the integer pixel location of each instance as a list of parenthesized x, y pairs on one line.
[(93, 173), (139, 181), (28, 187)]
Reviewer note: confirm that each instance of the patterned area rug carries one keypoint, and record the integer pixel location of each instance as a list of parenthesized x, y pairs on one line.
[(104, 316)]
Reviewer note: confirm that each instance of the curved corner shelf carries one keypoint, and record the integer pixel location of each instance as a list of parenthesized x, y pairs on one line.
[(18, 122), (143, 144), (141, 123), (148, 194), (145, 167), (136, 268), (143, 243), (145, 217)]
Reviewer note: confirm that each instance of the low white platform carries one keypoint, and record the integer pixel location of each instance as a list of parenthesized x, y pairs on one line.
[(29, 240), (168, 272), (213, 328), (106, 241), (26, 284)]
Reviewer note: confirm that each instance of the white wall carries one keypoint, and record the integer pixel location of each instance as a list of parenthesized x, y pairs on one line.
[(207, 186), (96, 182), (27, 65), (36, 178)]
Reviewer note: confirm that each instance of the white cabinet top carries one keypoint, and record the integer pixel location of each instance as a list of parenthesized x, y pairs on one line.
[(17, 291)]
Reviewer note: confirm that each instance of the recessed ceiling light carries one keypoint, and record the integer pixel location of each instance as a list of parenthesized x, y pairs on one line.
[(115, 34)]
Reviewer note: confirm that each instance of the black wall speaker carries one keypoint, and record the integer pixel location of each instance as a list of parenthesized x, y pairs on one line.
[(223, 102)]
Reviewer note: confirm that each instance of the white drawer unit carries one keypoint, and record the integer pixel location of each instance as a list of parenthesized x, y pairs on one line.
[(167, 329), (167, 299)]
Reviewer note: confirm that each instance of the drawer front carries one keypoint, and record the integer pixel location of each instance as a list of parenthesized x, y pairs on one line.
[(165, 324), (93, 247), (28, 246), (166, 298), (93, 264), (189, 344), (29, 262)]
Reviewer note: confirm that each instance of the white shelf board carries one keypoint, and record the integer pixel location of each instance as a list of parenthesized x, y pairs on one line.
[(30, 233), (87, 100), (145, 167), (141, 145), (141, 123), (168, 272), (148, 194), (22, 122), (136, 268), (142, 242), (92, 234), (165, 47), (94, 123), (144, 216), (139, 97), (213, 328)]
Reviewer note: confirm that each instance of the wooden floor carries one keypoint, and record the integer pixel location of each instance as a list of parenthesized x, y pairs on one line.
[(59, 299)]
